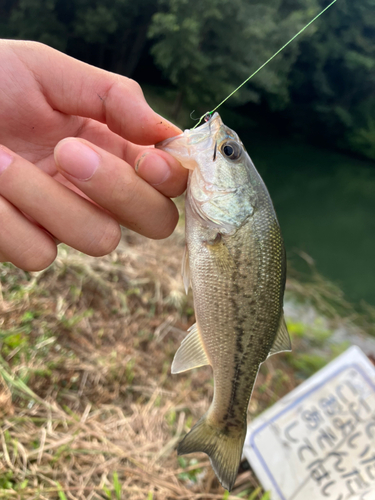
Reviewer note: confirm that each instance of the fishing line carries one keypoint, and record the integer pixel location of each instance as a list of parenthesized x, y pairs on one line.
[(209, 113)]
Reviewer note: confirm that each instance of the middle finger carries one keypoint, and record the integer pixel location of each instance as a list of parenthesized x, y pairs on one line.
[(114, 185), (66, 215), (157, 168)]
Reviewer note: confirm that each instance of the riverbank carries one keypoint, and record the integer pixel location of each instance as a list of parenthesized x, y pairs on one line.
[(90, 409)]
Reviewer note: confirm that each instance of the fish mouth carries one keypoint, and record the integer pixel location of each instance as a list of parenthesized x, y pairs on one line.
[(187, 146)]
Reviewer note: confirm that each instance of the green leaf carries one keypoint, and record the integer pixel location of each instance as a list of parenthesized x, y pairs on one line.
[(255, 493), (24, 484), (117, 486), (107, 491), (61, 493)]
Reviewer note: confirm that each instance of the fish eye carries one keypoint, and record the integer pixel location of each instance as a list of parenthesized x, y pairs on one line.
[(231, 150)]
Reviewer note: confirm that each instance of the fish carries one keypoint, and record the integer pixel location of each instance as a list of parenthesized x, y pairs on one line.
[(235, 262)]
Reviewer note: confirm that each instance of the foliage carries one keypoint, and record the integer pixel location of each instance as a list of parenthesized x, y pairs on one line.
[(108, 34), (333, 79), (312, 348), (208, 47), (191, 476), (362, 137)]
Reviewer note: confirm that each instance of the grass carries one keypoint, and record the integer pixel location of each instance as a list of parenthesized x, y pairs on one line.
[(88, 407)]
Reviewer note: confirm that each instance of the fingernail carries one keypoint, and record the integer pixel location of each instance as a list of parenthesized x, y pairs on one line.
[(152, 168), (5, 160), (77, 159)]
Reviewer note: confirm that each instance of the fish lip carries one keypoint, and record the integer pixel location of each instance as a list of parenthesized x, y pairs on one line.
[(163, 144), (186, 146), (211, 126)]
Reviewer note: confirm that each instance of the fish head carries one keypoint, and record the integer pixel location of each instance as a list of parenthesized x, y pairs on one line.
[(219, 188)]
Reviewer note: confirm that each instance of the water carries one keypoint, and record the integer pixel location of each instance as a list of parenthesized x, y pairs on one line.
[(325, 202)]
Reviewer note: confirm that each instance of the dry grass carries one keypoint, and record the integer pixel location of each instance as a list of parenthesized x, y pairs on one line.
[(89, 408)]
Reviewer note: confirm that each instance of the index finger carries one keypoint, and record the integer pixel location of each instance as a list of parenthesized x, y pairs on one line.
[(76, 88)]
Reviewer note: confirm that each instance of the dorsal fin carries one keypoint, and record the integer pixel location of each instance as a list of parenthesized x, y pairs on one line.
[(191, 353), (282, 341)]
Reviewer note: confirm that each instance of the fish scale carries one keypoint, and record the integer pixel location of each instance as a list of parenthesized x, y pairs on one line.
[(248, 323), (235, 262)]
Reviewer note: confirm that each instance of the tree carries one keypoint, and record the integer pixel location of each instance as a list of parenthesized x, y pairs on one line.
[(37, 20), (118, 30), (333, 80), (108, 34), (206, 48)]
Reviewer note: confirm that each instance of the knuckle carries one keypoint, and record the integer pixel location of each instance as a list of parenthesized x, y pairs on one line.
[(167, 225), (125, 190), (107, 240), (39, 263), (35, 45), (134, 86), (31, 47), (21, 244), (35, 259), (178, 189)]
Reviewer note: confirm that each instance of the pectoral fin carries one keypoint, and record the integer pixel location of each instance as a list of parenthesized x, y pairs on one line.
[(223, 258), (282, 341), (185, 269), (191, 353)]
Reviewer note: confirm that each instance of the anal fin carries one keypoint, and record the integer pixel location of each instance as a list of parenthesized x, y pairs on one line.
[(191, 353), (282, 341)]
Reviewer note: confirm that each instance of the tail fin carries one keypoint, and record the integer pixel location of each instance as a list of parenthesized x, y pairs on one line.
[(224, 448)]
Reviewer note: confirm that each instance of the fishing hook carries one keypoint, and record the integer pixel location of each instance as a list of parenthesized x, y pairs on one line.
[(191, 116)]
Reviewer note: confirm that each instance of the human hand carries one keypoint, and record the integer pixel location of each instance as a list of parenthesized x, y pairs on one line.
[(71, 138)]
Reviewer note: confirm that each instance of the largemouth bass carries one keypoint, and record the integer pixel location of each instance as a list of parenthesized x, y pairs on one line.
[(235, 262)]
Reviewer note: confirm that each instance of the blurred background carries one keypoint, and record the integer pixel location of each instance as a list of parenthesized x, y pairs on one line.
[(90, 409)]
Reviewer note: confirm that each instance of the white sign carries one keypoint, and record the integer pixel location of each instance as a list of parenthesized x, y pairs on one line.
[(318, 442)]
